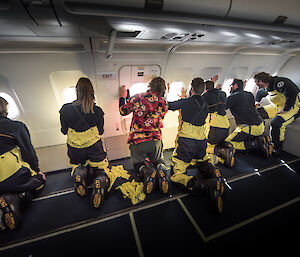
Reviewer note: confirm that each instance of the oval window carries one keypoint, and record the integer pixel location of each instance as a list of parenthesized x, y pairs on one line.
[(226, 86), (251, 86), (138, 88), (12, 108), (175, 91), (69, 94)]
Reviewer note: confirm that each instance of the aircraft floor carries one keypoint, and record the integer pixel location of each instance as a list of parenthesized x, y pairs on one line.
[(261, 213)]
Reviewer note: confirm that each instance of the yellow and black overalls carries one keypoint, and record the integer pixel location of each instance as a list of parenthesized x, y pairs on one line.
[(191, 141), (284, 94), (249, 123), (217, 124), (83, 136), (18, 161)]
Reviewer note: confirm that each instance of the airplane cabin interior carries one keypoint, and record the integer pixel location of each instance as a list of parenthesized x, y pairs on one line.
[(47, 45)]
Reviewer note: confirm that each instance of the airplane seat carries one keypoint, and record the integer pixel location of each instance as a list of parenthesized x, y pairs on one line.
[(292, 140)]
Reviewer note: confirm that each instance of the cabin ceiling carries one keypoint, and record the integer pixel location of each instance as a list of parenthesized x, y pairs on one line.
[(190, 26)]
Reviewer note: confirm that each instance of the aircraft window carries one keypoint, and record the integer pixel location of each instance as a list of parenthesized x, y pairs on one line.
[(251, 86), (69, 94), (175, 91), (138, 88), (226, 86), (12, 108)]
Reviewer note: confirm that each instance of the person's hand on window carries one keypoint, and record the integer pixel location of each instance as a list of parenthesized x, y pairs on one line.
[(122, 91), (214, 78), (182, 93)]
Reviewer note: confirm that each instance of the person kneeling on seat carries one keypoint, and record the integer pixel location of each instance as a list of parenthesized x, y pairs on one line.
[(20, 176)]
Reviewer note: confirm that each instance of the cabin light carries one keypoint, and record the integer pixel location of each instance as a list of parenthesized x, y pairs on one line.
[(175, 91), (138, 88), (129, 27), (229, 34), (252, 35), (12, 108), (69, 94), (276, 37)]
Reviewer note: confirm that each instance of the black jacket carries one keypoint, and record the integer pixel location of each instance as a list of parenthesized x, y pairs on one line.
[(71, 116), (242, 106), (194, 109), (287, 87), (216, 100), (15, 133)]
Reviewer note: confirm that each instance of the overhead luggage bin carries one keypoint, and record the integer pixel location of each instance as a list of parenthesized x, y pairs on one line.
[(212, 7), (266, 11)]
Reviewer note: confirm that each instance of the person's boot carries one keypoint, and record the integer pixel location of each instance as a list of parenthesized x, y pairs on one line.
[(163, 179), (208, 171), (148, 175), (277, 149), (225, 153), (100, 186), (80, 176), (211, 188), (227, 145), (10, 216), (259, 144)]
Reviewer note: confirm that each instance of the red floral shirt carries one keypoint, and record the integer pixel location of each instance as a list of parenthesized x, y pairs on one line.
[(148, 110)]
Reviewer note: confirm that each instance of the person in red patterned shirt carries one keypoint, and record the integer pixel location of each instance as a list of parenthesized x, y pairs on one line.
[(145, 136)]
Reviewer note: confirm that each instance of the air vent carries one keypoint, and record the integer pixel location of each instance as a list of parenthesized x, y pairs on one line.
[(182, 36), (154, 4), (280, 20), (283, 42), (131, 34)]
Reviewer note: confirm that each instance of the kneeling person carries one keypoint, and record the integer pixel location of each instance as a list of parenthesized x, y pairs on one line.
[(191, 143), (145, 136), (250, 126), (20, 176), (217, 125), (82, 121)]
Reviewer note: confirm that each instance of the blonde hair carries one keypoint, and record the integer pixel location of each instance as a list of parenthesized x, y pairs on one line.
[(3, 107), (158, 85), (85, 95)]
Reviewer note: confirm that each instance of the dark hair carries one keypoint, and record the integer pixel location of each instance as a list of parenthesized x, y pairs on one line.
[(85, 95), (158, 85), (198, 85), (239, 82), (3, 107), (209, 85), (263, 76)]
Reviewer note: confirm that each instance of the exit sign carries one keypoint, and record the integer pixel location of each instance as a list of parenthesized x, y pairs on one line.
[(107, 75)]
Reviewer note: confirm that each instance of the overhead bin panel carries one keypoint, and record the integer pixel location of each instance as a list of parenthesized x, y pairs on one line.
[(123, 3), (212, 7), (267, 10)]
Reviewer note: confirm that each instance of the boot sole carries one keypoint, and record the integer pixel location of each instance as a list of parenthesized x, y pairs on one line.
[(220, 187), (163, 183), (9, 218), (79, 186), (219, 204), (150, 183), (97, 198)]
